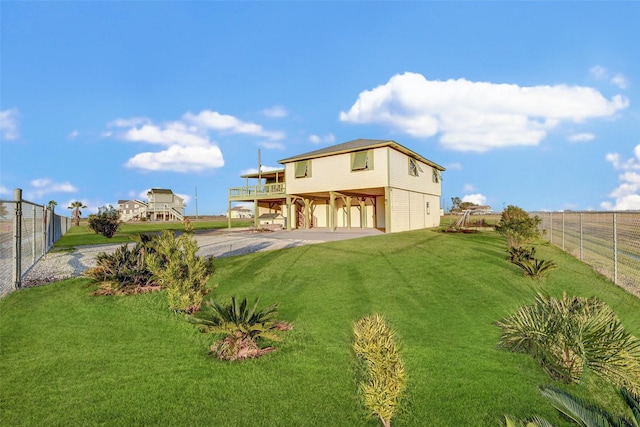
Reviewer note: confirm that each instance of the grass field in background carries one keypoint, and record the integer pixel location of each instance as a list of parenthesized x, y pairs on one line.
[(69, 358), (81, 235)]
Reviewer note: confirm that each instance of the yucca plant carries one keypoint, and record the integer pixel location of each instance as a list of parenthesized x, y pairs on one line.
[(124, 271), (535, 268), (571, 334), (244, 326), (521, 253), (375, 346)]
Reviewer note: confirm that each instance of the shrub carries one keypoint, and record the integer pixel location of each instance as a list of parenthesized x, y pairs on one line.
[(582, 412), (243, 326), (521, 253), (570, 334), (105, 222), (125, 270), (536, 268), (375, 345), (176, 267), (517, 226)]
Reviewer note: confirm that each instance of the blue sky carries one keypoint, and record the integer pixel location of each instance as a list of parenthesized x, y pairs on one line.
[(527, 103)]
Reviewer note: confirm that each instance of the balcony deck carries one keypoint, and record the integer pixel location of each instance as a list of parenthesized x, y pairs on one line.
[(252, 192)]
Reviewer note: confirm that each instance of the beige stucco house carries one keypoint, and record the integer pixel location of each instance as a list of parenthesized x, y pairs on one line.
[(362, 183)]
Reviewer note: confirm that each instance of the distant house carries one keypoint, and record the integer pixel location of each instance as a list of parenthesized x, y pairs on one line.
[(132, 210), (164, 205), (362, 183), (240, 212), (480, 209)]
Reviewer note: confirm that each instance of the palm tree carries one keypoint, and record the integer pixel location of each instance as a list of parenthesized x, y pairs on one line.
[(76, 206), (52, 205)]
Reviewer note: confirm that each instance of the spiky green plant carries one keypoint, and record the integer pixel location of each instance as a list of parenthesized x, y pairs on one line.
[(571, 334), (535, 268), (375, 346), (176, 267), (124, 271), (242, 324), (582, 412), (521, 253), (531, 422)]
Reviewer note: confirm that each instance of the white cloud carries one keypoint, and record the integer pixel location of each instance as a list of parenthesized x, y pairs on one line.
[(169, 134), (43, 186), (327, 139), (272, 145), (264, 169), (477, 116), (275, 112), (223, 122), (468, 188), (621, 81), (478, 199), (5, 190), (179, 158), (73, 134), (581, 137), (454, 166), (9, 124), (187, 142), (627, 195), (599, 72)]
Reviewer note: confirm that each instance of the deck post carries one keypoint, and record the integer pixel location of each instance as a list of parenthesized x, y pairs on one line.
[(289, 218), (332, 211)]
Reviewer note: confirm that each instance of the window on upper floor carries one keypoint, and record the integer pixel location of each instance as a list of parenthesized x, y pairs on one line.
[(362, 160), (436, 176), (414, 167), (303, 169)]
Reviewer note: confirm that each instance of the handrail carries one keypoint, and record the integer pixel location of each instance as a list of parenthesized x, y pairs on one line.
[(258, 190)]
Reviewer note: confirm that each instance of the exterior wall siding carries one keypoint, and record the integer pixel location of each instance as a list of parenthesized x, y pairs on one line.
[(334, 173), (399, 175)]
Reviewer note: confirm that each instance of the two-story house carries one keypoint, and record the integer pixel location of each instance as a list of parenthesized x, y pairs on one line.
[(362, 183), (132, 210), (164, 205)]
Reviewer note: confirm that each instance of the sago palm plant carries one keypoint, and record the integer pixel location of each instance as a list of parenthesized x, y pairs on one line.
[(583, 413), (243, 325), (571, 334)]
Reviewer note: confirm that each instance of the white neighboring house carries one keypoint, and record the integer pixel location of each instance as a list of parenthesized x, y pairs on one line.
[(132, 210), (362, 183), (240, 212), (164, 205)]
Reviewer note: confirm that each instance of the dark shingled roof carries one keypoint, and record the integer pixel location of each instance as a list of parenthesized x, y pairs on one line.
[(359, 144)]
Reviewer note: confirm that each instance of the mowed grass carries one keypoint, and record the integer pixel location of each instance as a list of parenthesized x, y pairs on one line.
[(81, 235), (69, 358)]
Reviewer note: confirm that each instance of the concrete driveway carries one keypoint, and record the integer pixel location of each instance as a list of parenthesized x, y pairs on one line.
[(218, 243)]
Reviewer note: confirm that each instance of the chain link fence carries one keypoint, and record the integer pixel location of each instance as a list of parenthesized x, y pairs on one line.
[(607, 241), (27, 232)]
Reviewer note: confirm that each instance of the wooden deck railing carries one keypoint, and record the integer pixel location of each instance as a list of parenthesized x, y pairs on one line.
[(253, 191)]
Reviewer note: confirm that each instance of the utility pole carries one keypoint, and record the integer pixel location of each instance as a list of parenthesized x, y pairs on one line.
[(196, 202)]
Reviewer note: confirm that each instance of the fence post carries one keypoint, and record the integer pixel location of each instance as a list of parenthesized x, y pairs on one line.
[(581, 216), (17, 239), (615, 248), (563, 230), (551, 227)]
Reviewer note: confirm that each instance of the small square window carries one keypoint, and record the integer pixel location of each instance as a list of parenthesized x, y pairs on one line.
[(362, 160), (303, 169)]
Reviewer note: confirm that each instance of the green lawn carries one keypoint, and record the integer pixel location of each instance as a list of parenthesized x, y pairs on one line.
[(69, 358), (81, 235)]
